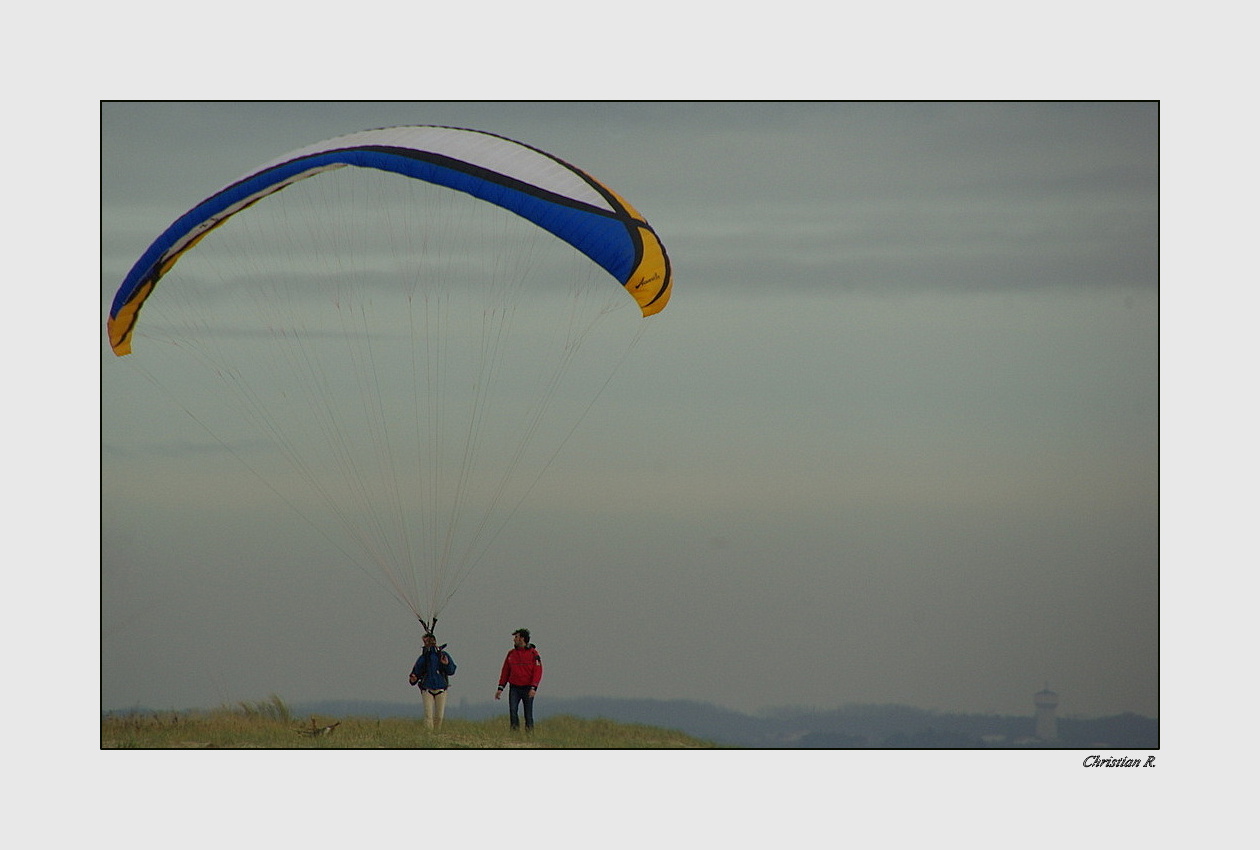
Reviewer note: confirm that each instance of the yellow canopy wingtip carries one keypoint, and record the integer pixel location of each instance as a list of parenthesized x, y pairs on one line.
[(651, 283)]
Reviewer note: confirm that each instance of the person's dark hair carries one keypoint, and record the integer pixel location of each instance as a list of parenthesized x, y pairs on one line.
[(524, 633)]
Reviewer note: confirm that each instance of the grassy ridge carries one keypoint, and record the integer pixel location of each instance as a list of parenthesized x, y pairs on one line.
[(270, 725)]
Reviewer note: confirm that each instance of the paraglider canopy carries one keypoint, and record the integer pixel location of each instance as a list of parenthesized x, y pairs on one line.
[(378, 346), (535, 185)]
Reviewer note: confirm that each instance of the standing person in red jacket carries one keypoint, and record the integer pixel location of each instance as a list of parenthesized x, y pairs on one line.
[(522, 669)]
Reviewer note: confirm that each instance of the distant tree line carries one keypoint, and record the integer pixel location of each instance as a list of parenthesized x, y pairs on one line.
[(900, 727)]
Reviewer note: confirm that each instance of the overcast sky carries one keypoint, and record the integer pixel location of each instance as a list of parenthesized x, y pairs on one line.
[(895, 440)]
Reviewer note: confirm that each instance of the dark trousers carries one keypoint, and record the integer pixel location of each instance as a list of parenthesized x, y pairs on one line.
[(518, 694)]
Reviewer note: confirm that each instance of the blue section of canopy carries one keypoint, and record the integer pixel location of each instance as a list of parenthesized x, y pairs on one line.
[(596, 233), (599, 234)]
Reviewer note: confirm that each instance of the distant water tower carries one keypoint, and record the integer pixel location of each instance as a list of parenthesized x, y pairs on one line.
[(1046, 702)]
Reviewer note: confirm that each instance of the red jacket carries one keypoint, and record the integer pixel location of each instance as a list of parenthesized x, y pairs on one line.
[(522, 667)]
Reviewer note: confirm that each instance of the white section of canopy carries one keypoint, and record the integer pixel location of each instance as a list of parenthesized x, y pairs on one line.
[(495, 153)]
